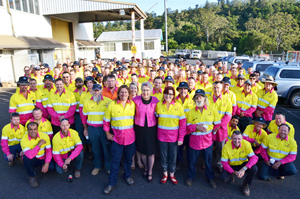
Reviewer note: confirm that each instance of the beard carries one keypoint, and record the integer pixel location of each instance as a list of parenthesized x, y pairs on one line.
[(200, 104), (97, 98), (79, 86)]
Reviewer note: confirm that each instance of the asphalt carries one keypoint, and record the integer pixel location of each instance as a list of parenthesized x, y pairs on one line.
[(14, 180)]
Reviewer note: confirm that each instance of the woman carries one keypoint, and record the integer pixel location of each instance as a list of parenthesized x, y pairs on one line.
[(134, 88), (145, 128), (27, 72), (119, 116), (170, 132)]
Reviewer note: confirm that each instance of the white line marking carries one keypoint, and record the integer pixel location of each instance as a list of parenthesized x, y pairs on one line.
[(290, 112)]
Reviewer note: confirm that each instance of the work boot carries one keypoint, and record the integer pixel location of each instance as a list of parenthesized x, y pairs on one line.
[(96, 171), (77, 173), (189, 182), (12, 163), (246, 190), (33, 183), (108, 189), (212, 183), (129, 181)]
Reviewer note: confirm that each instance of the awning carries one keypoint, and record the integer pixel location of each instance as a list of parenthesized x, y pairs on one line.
[(11, 42), (92, 10), (89, 44), (42, 43)]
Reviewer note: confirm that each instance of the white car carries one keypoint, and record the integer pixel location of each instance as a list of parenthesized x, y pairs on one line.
[(196, 54)]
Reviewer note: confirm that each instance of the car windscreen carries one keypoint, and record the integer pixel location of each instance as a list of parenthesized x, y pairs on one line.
[(241, 60), (231, 59), (247, 65), (271, 71), (262, 67)]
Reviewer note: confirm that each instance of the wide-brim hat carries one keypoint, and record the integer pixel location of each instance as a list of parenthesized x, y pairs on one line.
[(169, 79), (260, 120), (240, 76), (183, 85), (270, 79), (226, 80), (23, 81), (89, 78)]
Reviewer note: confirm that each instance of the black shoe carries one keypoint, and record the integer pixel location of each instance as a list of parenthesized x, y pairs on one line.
[(212, 183), (150, 180), (108, 189), (189, 182), (246, 190), (178, 166), (145, 174), (129, 181)]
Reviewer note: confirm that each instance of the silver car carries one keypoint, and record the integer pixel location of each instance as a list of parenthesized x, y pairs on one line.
[(288, 79)]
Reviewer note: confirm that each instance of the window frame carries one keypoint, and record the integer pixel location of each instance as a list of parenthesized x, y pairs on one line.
[(109, 46), (146, 45)]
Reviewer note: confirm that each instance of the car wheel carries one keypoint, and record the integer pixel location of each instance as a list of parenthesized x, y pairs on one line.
[(294, 100)]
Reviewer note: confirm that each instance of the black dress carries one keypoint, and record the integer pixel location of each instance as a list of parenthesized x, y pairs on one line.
[(145, 137)]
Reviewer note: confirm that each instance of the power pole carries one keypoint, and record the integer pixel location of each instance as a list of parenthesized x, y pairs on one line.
[(166, 26)]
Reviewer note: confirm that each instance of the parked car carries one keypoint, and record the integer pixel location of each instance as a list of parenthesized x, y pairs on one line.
[(288, 79), (235, 60), (260, 66), (183, 53), (196, 54)]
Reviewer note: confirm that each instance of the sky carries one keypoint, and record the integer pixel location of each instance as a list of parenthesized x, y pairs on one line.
[(145, 5)]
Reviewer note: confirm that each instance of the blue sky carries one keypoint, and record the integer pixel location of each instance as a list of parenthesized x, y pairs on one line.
[(173, 4)]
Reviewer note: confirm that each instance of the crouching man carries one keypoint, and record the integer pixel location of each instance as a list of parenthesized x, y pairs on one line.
[(67, 147), (239, 159), (37, 152)]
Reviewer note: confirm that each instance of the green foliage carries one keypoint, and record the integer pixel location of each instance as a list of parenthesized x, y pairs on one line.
[(251, 26)]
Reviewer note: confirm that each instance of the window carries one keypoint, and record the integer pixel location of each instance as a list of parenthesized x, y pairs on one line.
[(126, 46), (262, 67), (109, 47), (247, 65), (240, 60), (271, 71), (295, 74), (24, 4), (1, 3), (36, 6), (149, 45), (11, 4), (18, 4), (31, 9)]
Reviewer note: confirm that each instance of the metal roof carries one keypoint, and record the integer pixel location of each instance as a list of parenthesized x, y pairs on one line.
[(127, 35), (92, 10), (42, 43), (89, 44), (11, 42)]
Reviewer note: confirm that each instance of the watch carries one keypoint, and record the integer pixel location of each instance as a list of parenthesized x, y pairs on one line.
[(245, 168)]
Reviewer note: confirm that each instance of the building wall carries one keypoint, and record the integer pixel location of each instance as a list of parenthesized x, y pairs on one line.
[(119, 53)]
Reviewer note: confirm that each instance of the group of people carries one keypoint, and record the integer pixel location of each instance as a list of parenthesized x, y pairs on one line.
[(128, 108)]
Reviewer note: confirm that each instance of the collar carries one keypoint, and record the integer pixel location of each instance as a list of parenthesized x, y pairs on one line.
[(233, 77), (226, 92), (248, 93), (270, 90), (32, 90), (127, 102), (173, 102), (178, 96), (11, 126), (254, 131), (160, 91), (142, 76), (116, 89), (93, 97), (29, 138), (64, 91), (286, 138), (205, 107), (62, 136), (233, 147), (215, 98), (239, 85), (43, 119), (28, 91), (234, 127)]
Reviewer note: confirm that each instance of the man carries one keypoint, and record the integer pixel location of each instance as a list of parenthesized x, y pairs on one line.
[(32, 85), (255, 133), (135, 79), (279, 152), (38, 77), (133, 68), (201, 121), (238, 159), (72, 75), (255, 86), (61, 104), (124, 79), (22, 102), (247, 103), (267, 100), (224, 107), (152, 77), (187, 103), (275, 124), (233, 126), (240, 83), (37, 151), (225, 71), (169, 81), (161, 72), (92, 120), (233, 76), (123, 136), (42, 95), (249, 72), (205, 84), (257, 75), (157, 90), (111, 90), (142, 76), (88, 82), (192, 86), (229, 94), (240, 66), (67, 147), (12, 134), (56, 72), (44, 126), (95, 71), (68, 83)]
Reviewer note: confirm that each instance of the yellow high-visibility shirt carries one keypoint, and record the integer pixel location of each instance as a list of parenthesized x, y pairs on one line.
[(71, 86), (273, 128), (279, 149), (230, 95), (222, 104), (255, 88), (143, 79), (85, 95), (39, 82), (18, 103), (187, 105), (207, 88), (95, 112), (13, 137), (63, 145), (236, 156), (61, 104), (42, 95), (259, 137), (158, 95), (246, 102), (44, 127), (237, 89), (29, 144), (267, 99), (231, 130)]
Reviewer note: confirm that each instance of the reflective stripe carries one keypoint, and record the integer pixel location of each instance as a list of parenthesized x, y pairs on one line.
[(168, 128), (26, 149), (250, 154), (261, 106), (293, 152), (79, 143), (94, 113), (38, 156), (49, 105), (45, 106), (207, 123), (263, 100), (122, 127), (182, 117), (80, 105), (55, 152), (264, 146), (236, 160), (74, 103), (279, 151), (106, 120), (49, 133), (242, 102), (254, 106), (245, 135), (233, 104), (209, 93), (61, 104), (14, 139), (201, 133), (61, 111), (4, 138), (44, 99), (77, 110), (25, 112), (218, 122), (48, 146), (243, 109), (12, 107), (28, 104), (270, 105), (94, 122), (278, 159), (224, 160), (42, 149), (122, 118), (186, 110), (38, 100), (168, 116), (65, 150)]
